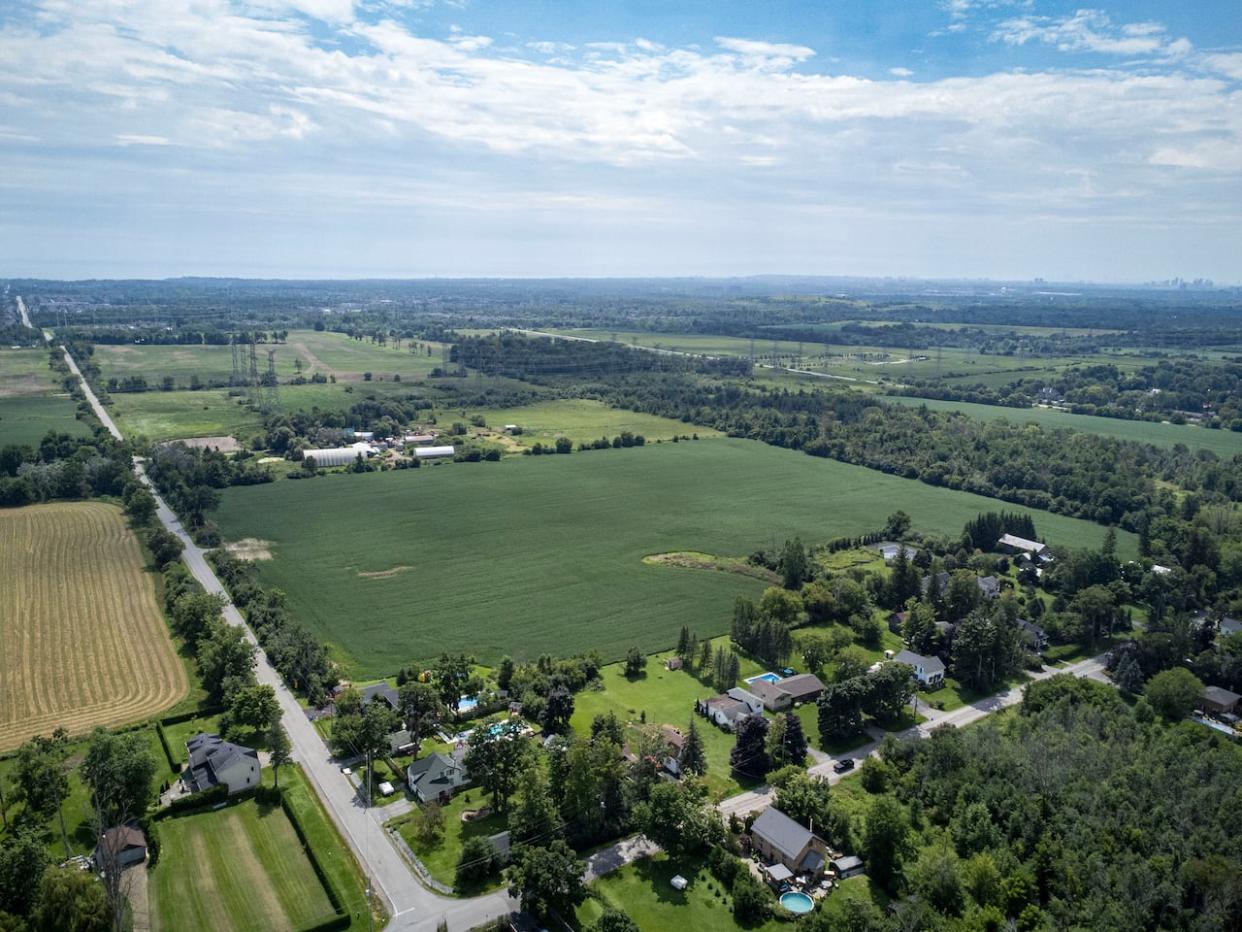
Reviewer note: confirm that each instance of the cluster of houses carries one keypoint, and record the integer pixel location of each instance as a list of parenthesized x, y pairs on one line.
[(769, 691)]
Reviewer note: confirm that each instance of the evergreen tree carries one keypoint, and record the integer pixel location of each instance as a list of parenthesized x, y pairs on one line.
[(919, 629), (683, 642), (841, 710), (693, 758), (1129, 675), (793, 564), (749, 757), (705, 656)]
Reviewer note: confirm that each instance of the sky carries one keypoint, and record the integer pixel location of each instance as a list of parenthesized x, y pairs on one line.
[(1003, 139)]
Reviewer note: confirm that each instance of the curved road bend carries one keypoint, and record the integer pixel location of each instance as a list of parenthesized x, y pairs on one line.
[(413, 907)]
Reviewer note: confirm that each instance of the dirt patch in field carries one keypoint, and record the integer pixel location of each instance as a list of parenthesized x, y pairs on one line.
[(250, 548), (223, 444), (385, 574), (693, 560)]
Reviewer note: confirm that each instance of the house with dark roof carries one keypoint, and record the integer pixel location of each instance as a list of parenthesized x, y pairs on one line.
[(1010, 543), (804, 687), (400, 742), (724, 710), (121, 845), (929, 671), (990, 586), (780, 840), (674, 741), (772, 696), (1229, 626), (1217, 700), (437, 776), (942, 583), (1036, 638), (753, 700), (383, 693), (214, 762), (897, 621)]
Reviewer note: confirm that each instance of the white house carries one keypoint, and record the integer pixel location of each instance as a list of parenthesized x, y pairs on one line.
[(929, 671), (752, 702)]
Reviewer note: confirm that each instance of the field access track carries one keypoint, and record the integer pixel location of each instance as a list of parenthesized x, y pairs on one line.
[(84, 642)]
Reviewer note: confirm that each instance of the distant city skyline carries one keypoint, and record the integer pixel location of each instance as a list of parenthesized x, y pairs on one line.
[(1002, 140)]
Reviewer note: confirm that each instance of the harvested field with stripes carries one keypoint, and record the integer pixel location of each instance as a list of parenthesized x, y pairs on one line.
[(84, 641)]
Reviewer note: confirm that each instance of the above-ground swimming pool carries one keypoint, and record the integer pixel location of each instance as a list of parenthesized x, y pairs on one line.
[(766, 677), (797, 902), (466, 703)]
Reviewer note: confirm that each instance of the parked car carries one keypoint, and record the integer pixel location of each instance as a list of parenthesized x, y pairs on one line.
[(842, 766)]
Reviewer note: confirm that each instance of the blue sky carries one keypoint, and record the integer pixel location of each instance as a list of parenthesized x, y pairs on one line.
[(334, 138)]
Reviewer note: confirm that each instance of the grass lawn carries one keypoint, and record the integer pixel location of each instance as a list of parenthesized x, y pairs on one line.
[(181, 732), (441, 856), (644, 893), (856, 888), (1224, 443), (25, 419), (236, 868), (527, 556)]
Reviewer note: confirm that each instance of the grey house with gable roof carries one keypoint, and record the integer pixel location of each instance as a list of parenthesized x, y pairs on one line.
[(214, 761), (781, 840)]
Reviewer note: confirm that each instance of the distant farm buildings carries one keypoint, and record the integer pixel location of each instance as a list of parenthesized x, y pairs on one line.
[(430, 453), (338, 456)]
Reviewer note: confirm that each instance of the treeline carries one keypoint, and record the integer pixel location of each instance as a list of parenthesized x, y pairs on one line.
[(191, 479), (64, 467)]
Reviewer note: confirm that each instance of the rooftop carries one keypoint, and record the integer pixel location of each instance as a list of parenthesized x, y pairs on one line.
[(781, 832)]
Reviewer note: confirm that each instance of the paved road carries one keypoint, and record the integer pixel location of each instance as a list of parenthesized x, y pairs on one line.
[(413, 908), (760, 798), (21, 309)]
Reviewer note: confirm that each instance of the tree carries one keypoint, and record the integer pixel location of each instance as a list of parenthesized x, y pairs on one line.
[(679, 818), (504, 673), (613, 921), (693, 757), (919, 629), (557, 711), (806, 800), (452, 673), (119, 769), (885, 839), (279, 747), (817, 651), (1129, 675), (42, 783), (938, 879), (420, 709), (139, 505), (963, 595), (751, 901), (749, 757), (780, 605), (70, 901), (535, 816), (705, 656), (897, 526), (793, 564), (683, 643), (476, 863), (903, 579), (607, 728), (786, 742), (547, 878), (165, 546), (496, 761), (852, 662), (1174, 693), (428, 820), (841, 710), (890, 690), (22, 862), (224, 656), (254, 707), (635, 662)]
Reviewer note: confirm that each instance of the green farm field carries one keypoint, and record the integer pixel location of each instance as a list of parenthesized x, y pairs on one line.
[(527, 556), (318, 351), (1221, 442), (238, 868), (31, 400)]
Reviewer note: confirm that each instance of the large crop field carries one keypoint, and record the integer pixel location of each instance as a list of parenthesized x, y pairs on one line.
[(1221, 442), (84, 642), (240, 868), (533, 555), (31, 402)]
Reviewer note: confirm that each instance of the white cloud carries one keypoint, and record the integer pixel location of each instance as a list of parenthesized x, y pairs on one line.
[(753, 49), (900, 72), (1226, 63), (138, 139), (1089, 30)]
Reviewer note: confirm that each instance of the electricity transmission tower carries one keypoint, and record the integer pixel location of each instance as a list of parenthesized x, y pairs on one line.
[(254, 390), (271, 397)]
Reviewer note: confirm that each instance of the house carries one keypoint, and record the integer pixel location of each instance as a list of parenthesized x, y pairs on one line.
[(1010, 543), (430, 453), (384, 693), (990, 586), (771, 696), (1229, 626), (753, 701), (897, 621), (780, 840), (1218, 701), (1036, 637), (805, 687), (929, 671), (122, 845), (674, 741), (724, 710), (942, 583), (214, 762), (847, 867), (673, 663), (400, 742), (437, 775)]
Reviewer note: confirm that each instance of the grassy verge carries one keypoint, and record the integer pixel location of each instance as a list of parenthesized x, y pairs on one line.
[(441, 855)]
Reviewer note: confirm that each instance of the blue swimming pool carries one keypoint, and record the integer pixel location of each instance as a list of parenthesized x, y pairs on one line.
[(466, 703), (766, 677), (798, 903)]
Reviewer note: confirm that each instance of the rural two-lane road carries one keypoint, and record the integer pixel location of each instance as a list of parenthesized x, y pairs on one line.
[(413, 907)]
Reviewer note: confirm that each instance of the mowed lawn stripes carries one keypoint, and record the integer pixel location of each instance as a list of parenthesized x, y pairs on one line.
[(84, 641), (239, 869), (537, 555)]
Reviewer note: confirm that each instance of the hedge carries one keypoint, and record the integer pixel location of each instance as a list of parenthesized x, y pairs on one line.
[(173, 764), (208, 797), (341, 919)]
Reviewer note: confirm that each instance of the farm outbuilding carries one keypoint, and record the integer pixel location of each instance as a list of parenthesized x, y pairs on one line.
[(337, 456), (427, 453)]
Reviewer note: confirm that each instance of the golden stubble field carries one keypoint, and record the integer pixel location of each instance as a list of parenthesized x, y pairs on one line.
[(82, 639)]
